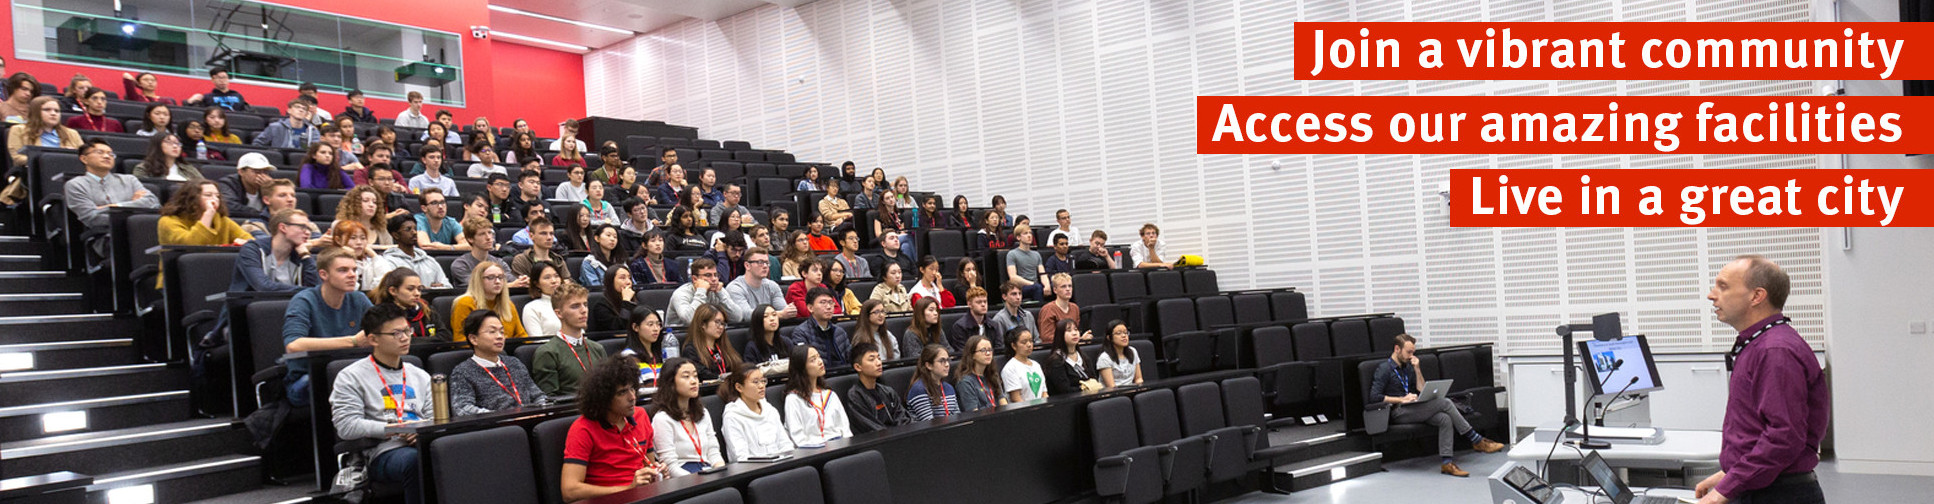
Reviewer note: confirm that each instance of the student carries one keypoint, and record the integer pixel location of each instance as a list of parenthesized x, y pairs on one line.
[(89, 195), (649, 343), (403, 288), (1024, 379), (810, 276), (929, 285), (974, 324), (729, 197), (816, 237), (93, 116), (708, 181), (483, 238), (385, 390), (221, 96), (601, 211), (610, 163), (1119, 364), (1151, 251), (1064, 226), (680, 231), (650, 267), (435, 228), (489, 380), (487, 290), (966, 275), (836, 281), (1024, 264), (1065, 370), (194, 138), (295, 132), (217, 121), (568, 155), (978, 384), (608, 314), (575, 236), (357, 111), (142, 88), (432, 175), (798, 255), (1061, 308), (849, 255), (325, 317), (924, 328), (683, 438), (928, 215), (992, 235), (867, 195), (1000, 208), (930, 396), (763, 343), (728, 252), (875, 406), (705, 342), (563, 360), (406, 254), (484, 161), (1060, 261), (609, 449), (540, 316), (573, 188), (753, 428), (895, 251), (363, 205), (833, 207), (542, 248), (196, 215), (810, 182), (819, 331), (781, 222), (704, 289), (1096, 255), (278, 261), (523, 147), (321, 171), (445, 120), (353, 238), (891, 293), (870, 327), (158, 119), (384, 180), (1011, 315), (814, 414)]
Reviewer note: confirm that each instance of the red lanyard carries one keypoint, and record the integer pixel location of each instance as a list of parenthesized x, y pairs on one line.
[(696, 447), (984, 390), (819, 408), (574, 353), (514, 393), (718, 360), (393, 397)]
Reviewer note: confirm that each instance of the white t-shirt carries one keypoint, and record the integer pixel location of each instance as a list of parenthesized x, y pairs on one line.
[(1124, 370), (1026, 378), (555, 144), (539, 319)]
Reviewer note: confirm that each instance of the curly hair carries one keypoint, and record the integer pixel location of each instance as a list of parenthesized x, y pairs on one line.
[(596, 388)]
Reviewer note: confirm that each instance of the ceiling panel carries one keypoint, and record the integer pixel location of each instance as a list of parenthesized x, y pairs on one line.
[(638, 16)]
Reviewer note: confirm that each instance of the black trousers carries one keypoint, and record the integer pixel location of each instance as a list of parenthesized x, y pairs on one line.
[(1789, 489)]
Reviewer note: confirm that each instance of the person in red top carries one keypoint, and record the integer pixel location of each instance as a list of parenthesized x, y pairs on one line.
[(609, 448), (141, 88), (811, 274), (817, 237), (94, 116), (1777, 404)]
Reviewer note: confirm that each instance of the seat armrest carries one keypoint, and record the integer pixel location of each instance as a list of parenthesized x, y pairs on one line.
[(1376, 418)]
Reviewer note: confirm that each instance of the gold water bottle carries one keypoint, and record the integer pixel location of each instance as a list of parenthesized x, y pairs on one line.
[(440, 396)]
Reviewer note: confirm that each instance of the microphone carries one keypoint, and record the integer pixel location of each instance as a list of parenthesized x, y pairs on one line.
[(1600, 419), (1619, 364)]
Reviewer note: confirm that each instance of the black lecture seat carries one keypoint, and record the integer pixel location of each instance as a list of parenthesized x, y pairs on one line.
[(946, 243), (1124, 468), (1251, 308), (1173, 316), (1383, 332), (1212, 311), (508, 450), (1187, 463), (1201, 281), (1165, 284), (1242, 404), (1091, 289), (1201, 412), (201, 314), (548, 439), (264, 332), (1128, 286), (1376, 415), (442, 363), (1288, 305), (524, 353), (720, 496), (1352, 337), (857, 479), (793, 486)]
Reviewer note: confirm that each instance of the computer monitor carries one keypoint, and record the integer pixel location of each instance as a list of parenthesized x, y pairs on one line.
[(1612, 364)]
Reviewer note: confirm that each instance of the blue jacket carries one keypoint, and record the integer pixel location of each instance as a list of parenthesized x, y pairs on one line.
[(832, 344), (252, 274)]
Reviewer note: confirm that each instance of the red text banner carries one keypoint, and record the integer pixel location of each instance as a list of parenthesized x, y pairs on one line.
[(1691, 198)]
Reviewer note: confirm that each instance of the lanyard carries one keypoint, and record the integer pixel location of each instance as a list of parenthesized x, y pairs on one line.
[(1740, 346), (1402, 379), (696, 448), (819, 409), (514, 393), (395, 400), (574, 353), (718, 361), (982, 384)]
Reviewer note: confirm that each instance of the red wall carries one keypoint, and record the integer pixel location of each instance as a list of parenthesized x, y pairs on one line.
[(560, 73)]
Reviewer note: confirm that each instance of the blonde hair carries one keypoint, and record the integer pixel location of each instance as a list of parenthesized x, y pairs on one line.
[(475, 292)]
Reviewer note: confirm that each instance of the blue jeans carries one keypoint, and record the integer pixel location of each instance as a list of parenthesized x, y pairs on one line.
[(398, 467), (298, 391)]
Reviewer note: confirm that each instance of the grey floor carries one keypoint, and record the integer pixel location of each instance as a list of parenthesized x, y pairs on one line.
[(1417, 480)]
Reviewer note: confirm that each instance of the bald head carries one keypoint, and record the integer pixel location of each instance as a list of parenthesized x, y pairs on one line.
[(1747, 290)]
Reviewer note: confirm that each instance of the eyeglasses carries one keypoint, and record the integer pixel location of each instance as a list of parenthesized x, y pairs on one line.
[(495, 331), (493, 278), (399, 333), (756, 381)]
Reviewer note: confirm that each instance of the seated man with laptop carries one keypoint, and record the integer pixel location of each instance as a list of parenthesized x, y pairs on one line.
[(1401, 382)]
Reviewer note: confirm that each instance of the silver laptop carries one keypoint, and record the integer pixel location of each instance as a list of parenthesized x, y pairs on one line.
[(1433, 390)]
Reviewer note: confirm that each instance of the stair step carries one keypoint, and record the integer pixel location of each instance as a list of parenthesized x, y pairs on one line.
[(21, 245), (102, 414), (19, 262), (55, 328), (67, 354), (180, 482), (35, 387), (1327, 469), (1323, 440), (17, 304), (126, 449), (40, 281)]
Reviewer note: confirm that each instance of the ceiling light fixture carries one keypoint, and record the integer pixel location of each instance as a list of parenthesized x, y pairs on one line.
[(500, 8), (535, 40)]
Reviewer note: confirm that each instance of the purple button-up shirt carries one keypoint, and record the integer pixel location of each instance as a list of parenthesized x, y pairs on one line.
[(1776, 411)]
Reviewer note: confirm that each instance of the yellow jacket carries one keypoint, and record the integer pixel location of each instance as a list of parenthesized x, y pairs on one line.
[(184, 231), (460, 310)]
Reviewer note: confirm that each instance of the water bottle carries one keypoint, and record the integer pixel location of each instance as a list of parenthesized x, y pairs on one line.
[(496, 214), (1118, 262), (201, 150), (440, 396)]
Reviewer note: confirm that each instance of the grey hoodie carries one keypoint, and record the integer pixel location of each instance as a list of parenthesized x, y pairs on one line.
[(356, 402)]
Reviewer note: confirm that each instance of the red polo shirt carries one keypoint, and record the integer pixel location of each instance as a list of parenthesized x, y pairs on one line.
[(610, 456)]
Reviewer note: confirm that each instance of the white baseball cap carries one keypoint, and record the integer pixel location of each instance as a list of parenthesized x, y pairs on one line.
[(254, 160)]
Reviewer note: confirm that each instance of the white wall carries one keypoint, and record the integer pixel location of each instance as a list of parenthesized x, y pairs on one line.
[(1089, 105), (1875, 291)]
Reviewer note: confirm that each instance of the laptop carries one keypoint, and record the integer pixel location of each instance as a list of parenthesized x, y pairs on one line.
[(1614, 488), (1433, 390)]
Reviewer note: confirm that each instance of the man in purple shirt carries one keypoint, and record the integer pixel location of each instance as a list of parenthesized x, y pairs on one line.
[(1777, 405)]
